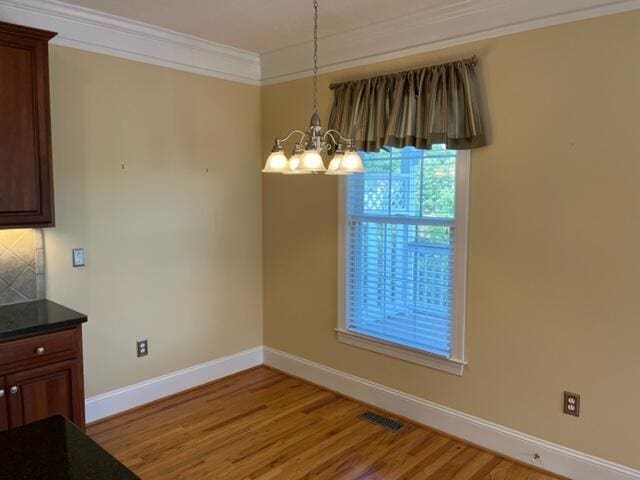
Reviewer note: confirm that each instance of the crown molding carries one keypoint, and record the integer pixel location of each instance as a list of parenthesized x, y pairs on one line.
[(456, 23), (452, 23), (99, 32)]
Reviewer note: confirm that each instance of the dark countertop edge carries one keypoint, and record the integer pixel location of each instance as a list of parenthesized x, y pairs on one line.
[(74, 318), (23, 332)]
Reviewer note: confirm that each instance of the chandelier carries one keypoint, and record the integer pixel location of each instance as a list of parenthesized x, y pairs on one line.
[(306, 153)]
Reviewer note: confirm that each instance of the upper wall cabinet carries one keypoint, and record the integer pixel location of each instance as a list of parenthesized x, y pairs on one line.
[(26, 177)]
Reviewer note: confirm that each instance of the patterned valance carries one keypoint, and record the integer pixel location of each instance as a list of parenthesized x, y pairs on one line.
[(431, 105)]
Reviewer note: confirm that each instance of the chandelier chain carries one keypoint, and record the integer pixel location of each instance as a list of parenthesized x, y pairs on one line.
[(315, 56)]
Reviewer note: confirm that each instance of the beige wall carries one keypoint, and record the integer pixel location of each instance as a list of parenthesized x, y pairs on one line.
[(173, 250), (554, 260)]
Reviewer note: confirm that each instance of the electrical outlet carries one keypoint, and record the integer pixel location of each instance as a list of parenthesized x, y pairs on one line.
[(143, 347), (572, 404)]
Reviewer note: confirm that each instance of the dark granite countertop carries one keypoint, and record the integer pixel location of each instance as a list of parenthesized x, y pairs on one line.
[(34, 317), (55, 449)]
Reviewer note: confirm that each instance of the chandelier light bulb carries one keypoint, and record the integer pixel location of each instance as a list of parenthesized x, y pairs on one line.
[(335, 165), (351, 163), (312, 161), (294, 166), (294, 162), (276, 163)]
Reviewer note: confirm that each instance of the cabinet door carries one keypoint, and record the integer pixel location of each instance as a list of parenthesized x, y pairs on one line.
[(49, 390), (26, 193), (4, 411)]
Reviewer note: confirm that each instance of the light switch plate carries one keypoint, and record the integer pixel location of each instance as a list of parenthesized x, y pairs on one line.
[(78, 257)]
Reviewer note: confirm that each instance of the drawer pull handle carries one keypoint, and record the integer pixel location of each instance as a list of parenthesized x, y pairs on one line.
[(39, 350), (1, 392), (14, 390)]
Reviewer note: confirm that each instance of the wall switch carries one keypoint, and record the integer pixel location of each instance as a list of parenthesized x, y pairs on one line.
[(572, 404), (78, 257), (143, 347)]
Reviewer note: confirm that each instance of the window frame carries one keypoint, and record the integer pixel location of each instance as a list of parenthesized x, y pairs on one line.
[(456, 362)]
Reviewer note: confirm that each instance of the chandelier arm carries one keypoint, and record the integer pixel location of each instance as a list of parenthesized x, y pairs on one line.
[(330, 133), (328, 147), (290, 134)]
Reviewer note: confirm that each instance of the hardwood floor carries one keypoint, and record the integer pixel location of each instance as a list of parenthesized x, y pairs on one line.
[(261, 424)]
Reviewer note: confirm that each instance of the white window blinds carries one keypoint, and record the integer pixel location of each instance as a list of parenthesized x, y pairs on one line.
[(399, 257)]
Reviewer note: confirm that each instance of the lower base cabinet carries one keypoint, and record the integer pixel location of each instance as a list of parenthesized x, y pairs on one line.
[(41, 376), (42, 392)]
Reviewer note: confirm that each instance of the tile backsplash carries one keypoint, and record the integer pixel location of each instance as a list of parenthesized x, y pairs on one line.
[(21, 266)]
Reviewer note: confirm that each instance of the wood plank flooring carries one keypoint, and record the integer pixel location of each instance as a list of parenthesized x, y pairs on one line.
[(263, 425)]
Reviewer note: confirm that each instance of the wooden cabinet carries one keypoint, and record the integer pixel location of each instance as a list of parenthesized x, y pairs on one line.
[(26, 186), (41, 375), (41, 392)]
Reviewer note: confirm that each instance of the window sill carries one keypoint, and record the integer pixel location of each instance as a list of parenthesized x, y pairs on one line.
[(448, 365)]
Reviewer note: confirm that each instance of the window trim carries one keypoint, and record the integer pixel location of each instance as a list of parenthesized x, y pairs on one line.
[(456, 362)]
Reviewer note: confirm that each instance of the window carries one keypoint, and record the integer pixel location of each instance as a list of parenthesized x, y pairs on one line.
[(403, 255)]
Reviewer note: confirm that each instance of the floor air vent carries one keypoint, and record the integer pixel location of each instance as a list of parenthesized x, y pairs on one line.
[(384, 422)]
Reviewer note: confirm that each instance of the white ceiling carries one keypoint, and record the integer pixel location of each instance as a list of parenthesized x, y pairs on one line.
[(264, 25)]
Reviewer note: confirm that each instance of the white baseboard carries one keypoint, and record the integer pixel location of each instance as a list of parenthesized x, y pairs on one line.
[(147, 391), (508, 442)]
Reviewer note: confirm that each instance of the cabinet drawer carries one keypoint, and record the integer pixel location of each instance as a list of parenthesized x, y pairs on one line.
[(39, 347)]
